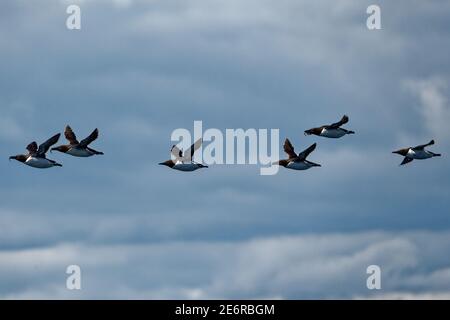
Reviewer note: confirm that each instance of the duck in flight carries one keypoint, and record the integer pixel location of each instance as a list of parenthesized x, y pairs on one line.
[(418, 153), (297, 162), (331, 131), (183, 161), (78, 149), (36, 157)]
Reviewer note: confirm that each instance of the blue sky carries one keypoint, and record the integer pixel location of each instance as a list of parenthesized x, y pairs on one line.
[(137, 70)]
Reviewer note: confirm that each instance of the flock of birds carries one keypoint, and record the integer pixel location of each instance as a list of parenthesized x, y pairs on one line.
[(183, 161), (36, 156)]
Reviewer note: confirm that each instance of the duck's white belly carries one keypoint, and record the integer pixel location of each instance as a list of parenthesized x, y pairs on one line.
[(79, 152), (39, 163), (185, 166), (418, 154), (298, 165), (332, 133)]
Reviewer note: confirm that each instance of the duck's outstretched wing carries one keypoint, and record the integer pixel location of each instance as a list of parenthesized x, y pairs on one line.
[(92, 137), (189, 153), (289, 149), (423, 146), (176, 152), (43, 148), (70, 135), (32, 148), (406, 160), (305, 153), (341, 122)]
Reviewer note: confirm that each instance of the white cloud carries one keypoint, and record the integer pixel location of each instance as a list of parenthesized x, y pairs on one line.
[(305, 266), (433, 104)]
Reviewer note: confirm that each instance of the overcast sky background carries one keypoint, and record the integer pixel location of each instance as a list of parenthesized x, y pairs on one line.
[(137, 70)]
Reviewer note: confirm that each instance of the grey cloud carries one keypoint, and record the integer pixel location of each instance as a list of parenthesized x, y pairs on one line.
[(433, 104), (307, 266)]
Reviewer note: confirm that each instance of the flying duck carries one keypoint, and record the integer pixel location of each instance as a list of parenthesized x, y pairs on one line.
[(418, 153), (183, 162), (78, 149), (297, 162), (36, 156), (331, 131)]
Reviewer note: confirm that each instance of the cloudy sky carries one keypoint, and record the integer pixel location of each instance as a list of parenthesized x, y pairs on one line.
[(137, 70)]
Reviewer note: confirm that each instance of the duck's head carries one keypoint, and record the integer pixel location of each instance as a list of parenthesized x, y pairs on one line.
[(315, 131), (282, 163), (168, 163), (20, 158), (402, 152)]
